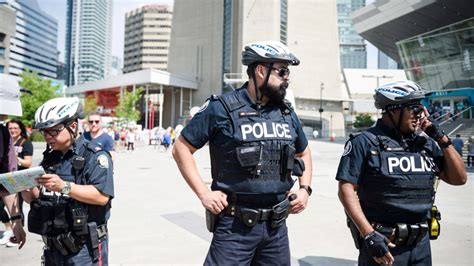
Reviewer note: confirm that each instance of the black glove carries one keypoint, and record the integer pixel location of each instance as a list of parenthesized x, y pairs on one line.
[(434, 132), (377, 244)]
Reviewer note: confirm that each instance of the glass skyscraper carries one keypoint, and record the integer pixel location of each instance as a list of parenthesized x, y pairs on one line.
[(88, 40), (351, 45), (34, 45)]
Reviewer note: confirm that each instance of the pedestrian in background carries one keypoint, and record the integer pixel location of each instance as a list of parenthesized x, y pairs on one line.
[(97, 135), (470, 152), (458, 144), (10, 105)]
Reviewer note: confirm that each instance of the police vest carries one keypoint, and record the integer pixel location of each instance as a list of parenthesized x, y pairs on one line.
[(52, 213), (255, 159), (397, 185)]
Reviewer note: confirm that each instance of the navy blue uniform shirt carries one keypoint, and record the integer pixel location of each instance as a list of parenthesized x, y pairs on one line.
[(104, 140), (98, 171), (212, 123), (352, 165)]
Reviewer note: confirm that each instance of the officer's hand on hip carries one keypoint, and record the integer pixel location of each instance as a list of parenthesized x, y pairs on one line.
[(299, 204), (51, 182), (215, 201), (378, 246)]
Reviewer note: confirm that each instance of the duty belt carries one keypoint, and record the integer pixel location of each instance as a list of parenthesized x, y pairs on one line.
[(401, 233), (68, 243), (251, 216)]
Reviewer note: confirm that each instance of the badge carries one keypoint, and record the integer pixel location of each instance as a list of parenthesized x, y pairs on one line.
[(347, 148), (103, 161), (204, 106)]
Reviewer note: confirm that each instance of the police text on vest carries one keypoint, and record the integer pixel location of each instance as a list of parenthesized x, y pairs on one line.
[(262, 130)]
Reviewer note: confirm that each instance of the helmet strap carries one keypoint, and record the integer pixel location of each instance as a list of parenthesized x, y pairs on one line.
[(398, 125)]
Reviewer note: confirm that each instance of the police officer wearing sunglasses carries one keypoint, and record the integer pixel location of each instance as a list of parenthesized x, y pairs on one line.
[(70, 208), (386, 178), (256, 145)]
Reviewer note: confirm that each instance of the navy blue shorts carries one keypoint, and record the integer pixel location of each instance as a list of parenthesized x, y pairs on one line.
[(54, 257), (234, 243)]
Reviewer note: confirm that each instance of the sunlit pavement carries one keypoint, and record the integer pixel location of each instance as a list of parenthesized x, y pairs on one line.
[(156, 219)]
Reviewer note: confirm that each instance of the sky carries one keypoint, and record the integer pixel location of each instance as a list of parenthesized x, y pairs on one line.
[(57, 9)]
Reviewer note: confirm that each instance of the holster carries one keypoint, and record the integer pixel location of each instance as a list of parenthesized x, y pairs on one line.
[(93, 241), (280, 213), (211, 221), (354, 232)]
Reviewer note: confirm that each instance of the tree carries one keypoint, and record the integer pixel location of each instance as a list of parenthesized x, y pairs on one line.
[(39, 91), (90, 105), (126, 109), (363, 120)]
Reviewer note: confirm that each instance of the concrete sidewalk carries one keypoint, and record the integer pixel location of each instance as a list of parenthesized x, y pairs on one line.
[(157, 220)]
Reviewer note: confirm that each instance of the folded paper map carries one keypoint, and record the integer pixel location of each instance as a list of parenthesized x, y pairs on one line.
[(17, 181)]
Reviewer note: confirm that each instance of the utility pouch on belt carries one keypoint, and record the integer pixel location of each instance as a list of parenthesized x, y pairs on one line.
[(248, 156), (298, 167), (211, 221), (59, 221), (414, 233), (354, 232), (38, 218), (71, 242), (93, 241), (79, 221), (58, 245), (401, 233), (249, 217), (287, 158), (434, 226)]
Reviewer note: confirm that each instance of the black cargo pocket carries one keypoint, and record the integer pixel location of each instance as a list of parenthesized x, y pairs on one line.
[(248, 156), (38, 218)]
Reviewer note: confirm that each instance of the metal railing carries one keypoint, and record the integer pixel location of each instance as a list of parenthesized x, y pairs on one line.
[(455, 116)]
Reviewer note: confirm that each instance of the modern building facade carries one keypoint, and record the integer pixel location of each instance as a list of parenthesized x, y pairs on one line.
[(147, 35), (352, 45), (88, 40), (208, 37), (385, 62), (7, 30), (33, 46), (432, 40)]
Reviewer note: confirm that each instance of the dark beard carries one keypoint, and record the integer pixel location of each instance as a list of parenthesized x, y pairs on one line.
[(275, 95)]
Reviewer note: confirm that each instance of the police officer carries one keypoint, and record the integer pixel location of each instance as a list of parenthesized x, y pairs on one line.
[(255, 142), (71, 206), (386, 178)]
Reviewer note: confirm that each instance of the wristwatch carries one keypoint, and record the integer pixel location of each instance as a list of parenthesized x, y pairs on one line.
[(66, 189), (307, 188)]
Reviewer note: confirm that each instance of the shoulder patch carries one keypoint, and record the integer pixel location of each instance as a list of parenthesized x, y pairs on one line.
[(103, 161), (204, 106), (347, 148)]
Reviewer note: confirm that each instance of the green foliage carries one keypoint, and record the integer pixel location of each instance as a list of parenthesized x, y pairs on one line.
[(363, 120), (90, 105), (36, 136), (126, 109), (41, 90)]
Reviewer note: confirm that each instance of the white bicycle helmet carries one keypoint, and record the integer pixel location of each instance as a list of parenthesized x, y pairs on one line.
[(58, 111), (397, 94), (268, 52)]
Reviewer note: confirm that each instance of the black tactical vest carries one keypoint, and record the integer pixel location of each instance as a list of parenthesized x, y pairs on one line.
[(397, 185), (255, 159)]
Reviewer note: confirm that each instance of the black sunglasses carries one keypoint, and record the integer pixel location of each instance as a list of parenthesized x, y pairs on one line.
[(282, 71), (52, 132), (94, 121), (415, 109)]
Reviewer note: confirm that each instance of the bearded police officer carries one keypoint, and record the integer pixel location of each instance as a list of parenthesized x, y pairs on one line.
[(386, 178), (71, 207), (256, 145)]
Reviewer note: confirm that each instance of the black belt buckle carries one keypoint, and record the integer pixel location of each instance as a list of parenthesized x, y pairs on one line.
[(250, 217)]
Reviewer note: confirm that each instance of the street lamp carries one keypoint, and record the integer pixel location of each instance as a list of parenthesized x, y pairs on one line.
[(321, 110)]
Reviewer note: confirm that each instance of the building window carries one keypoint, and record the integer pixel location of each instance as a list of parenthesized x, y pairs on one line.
[(283, 21), (2, 52), (1, 69)]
